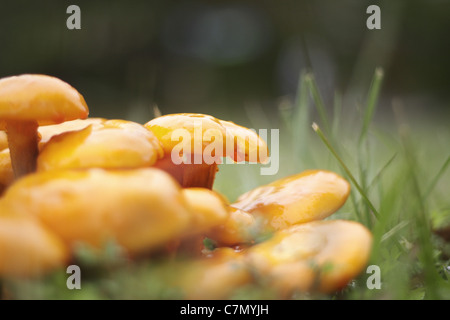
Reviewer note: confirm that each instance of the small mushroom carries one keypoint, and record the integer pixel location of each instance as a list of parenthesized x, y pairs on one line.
[(140, 209), (204, 141), (104, 144), (320, 256), (30, 100), (27, 248)]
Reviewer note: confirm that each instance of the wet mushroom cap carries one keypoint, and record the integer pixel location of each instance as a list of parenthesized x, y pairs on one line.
[(103, 144), (248, 145), (245, 143), (319, 255), (27, 248), (194, 144), (164, 127), (140, 209), (308, 196)]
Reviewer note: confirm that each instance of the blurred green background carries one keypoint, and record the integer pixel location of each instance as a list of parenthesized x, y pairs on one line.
[(241, 61), (228, 58)]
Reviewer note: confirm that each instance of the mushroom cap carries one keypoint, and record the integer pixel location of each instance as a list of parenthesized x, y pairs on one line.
[(326, 254), (41, 98), (307, 196), (103, 144), (27, 248), (140, 209), (47, 132), (243, 144)]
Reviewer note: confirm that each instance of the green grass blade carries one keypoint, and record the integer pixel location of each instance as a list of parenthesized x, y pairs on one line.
[(356, 209), (300, 120), (380, 172), (364, 159), (301, 115), (285, 111), (394, 230), (374, 92), (318, 101), (347, 171)]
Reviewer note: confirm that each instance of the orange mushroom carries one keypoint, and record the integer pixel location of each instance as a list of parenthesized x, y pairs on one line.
[(140, 209), (204, 141), (45, 133), (103, 143), (307, 196), (27, 101), (320, 256)]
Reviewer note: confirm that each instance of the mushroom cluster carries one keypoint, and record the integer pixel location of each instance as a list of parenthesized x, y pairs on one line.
[(67, 179)]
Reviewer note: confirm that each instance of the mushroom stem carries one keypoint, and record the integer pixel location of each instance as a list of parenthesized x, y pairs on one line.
[(23, 146), (189, 175), (199, 175)]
